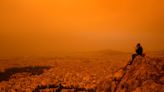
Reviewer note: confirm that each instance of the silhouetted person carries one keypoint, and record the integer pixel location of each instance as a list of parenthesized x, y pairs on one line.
[(139, 51)]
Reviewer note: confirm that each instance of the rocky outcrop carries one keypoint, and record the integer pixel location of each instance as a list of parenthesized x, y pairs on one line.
[(145, 74)]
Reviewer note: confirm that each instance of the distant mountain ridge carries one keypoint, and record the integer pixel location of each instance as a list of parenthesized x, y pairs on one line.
[(103, 52)]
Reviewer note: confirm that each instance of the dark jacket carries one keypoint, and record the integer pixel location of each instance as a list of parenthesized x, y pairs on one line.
[(139, 50)]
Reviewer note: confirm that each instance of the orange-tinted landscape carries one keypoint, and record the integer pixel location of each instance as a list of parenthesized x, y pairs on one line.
[(81, 45)]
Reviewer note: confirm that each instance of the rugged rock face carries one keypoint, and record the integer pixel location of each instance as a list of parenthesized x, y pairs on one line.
[(145, 74)]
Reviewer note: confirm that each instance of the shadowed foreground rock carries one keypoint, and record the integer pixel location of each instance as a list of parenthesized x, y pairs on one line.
[(144, 75)]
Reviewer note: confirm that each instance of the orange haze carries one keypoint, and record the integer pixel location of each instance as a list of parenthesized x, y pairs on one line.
[(44, 27)]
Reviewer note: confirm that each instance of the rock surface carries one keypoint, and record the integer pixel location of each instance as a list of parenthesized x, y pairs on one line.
[(145, 74)]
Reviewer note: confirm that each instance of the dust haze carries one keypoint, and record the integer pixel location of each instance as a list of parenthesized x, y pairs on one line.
[(32, 27), (81, 46)]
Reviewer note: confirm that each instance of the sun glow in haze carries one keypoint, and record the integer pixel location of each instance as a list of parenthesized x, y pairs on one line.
[(34, 27)]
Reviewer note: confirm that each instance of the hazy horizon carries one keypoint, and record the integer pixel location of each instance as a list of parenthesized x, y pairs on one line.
[(39, 27)]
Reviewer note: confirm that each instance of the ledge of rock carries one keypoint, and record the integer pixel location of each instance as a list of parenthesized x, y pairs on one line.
[(145, 74)]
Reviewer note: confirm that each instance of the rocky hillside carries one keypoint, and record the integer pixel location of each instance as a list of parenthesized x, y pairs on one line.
[(145, 74)]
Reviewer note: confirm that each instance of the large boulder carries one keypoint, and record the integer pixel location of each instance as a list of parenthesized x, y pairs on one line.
[(145, 74)]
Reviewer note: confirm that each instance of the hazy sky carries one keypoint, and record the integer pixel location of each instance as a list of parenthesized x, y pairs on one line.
[(40, 27)]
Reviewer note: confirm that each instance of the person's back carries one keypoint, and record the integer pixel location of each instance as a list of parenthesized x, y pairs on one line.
[(139, 50)]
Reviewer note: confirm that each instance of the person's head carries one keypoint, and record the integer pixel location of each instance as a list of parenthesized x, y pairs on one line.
[(138, 45)]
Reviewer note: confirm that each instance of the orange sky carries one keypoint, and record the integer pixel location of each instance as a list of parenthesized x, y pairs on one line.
[(34, 27)]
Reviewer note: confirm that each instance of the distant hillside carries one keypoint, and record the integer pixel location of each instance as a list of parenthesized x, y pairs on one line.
[(156, 53), (101, 53), (107, 51)]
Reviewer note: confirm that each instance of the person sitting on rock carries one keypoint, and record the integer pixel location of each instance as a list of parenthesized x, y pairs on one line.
[(139, 51)]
